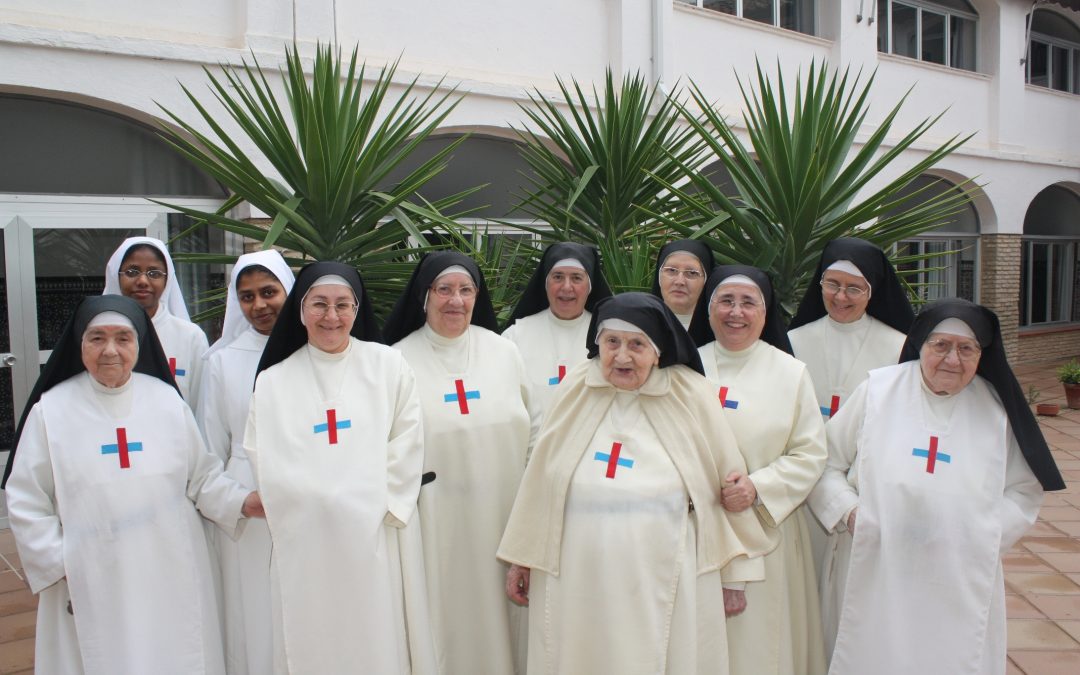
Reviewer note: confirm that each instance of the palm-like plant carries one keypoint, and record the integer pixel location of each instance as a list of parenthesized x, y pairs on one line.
[(800, 183), (602, 170), (333, 142)]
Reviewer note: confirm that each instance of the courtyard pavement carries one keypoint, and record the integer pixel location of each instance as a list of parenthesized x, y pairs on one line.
[(1042, 572)]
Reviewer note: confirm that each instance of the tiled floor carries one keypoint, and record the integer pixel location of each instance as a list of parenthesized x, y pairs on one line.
[(1042, 572)]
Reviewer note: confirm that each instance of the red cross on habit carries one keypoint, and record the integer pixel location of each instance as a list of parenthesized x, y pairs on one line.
[(332, 425), (834, 405), (121, 448), (613, 460)]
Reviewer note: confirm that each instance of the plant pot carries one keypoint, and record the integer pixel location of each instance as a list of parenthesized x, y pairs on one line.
[(1047, 409), (1072, 395)]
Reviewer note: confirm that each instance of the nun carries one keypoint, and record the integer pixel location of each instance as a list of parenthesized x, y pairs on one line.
[(109, 469), (552, 317), (617, 538), (142, 269), (854, 320), (769, 403), (335, 440), (258, 286), (936, 468), (682, 269), (479, 424)]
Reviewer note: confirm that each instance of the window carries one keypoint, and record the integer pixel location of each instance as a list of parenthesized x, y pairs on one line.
[(796, 15), (1054, 52), (936, 32), (1050, 259), (940, 263)]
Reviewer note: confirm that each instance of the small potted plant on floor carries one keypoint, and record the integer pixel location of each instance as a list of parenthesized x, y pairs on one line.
[(1069, 375), (1045, 409)]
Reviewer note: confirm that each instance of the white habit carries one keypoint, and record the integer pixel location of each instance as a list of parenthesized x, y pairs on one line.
[(942, 491), (477, 432), (228, 380), (184, 344), (100, 501), (769, 403), (337, 446), (838, 357), (550, 347)]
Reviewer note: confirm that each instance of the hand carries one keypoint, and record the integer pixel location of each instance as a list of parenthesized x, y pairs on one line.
[(517, 585), (253, 506), (740, 492), (734, 602), (851, 521)]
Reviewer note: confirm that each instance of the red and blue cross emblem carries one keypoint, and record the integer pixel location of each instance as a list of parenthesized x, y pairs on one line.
[(122, 447), (613, 460), (834, 405), (176, 372), (727, 402), (558, 378), (932, 455), (332, 425), (461, 397)]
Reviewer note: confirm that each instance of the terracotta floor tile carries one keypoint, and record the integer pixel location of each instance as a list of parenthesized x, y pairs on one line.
[(1012, 669), (1068, 528), (1063, 562), (1027, 562), (1027, 583), (1074, 500), (1057, 499), (1057, 606), (16, 656), (1056, 514), (9, 581), (1071, 627), (1016, 607), (1074, 577), (19, 626), (1050, 544), (1037, 634), (1044, 529), (1048, 663)]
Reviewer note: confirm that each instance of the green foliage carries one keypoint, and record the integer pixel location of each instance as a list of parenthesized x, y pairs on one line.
[(602, 168), (333, 141), (1069, 373), (802, 180)]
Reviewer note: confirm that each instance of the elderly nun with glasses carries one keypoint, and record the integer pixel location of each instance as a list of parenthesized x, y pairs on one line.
[(336, 441), (769, 403), (479, 423), (936, 468)]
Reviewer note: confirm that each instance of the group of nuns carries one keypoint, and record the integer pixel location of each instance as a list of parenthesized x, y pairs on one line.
[(355, 484)]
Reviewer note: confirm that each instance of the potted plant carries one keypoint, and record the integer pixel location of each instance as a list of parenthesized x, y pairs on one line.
[(1069, 375), (1045, 409)]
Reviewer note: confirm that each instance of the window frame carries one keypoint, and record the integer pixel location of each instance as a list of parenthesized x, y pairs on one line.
[(955, 245), (1070, 245), (1072, 60), (920, 6), (775, 14)]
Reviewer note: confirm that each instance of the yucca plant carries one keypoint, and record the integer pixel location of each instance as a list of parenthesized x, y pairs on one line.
[(802, 180), (333, 141), (602, 169)]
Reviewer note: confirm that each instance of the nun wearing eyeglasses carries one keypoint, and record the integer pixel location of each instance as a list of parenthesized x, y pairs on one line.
[(682, 268), (335, 438), (109, 477), (853, 320), (619, 544), (551, 319), (257, 290), (142, 269), (769, 403), (479, 424), (936, 468)]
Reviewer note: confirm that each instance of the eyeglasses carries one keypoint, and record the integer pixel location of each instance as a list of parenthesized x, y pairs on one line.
[(674, 272), (319, 309), (730, 303), (965, 351), (448, 291), (852, 292), (152, 275)]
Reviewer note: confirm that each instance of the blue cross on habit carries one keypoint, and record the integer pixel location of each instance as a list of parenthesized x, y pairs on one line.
[(932, 455), (461, 396), (122, 447), (725, 401), (613, 460), (332, 425)]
